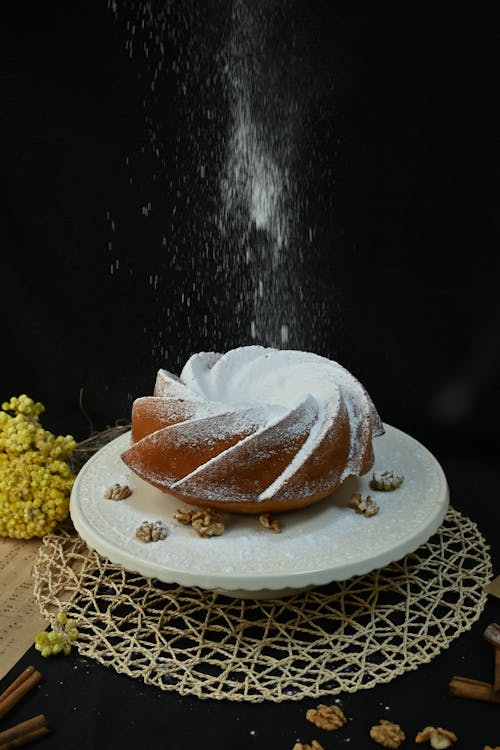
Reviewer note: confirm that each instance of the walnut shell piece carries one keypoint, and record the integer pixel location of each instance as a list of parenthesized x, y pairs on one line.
[(151, 531), (387, 734), (117, 492), (386, 481), (326, 717)]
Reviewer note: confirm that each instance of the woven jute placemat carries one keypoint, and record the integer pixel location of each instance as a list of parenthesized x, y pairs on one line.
[(339, 638)]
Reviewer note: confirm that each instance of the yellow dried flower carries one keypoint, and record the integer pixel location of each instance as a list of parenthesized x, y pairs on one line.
[(59, 638), (35, 480)]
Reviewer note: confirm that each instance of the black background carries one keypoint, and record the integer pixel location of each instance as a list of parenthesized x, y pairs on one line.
[(401, 181), (405, 264)]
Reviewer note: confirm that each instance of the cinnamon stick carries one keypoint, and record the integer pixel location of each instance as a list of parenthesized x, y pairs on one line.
[(492, 635), (22, 729), (14, 695), (497, 671), (464, 687), (24, 739), (22, 677)]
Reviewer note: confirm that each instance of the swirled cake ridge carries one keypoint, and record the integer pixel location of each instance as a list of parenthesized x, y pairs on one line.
[(253, 430)]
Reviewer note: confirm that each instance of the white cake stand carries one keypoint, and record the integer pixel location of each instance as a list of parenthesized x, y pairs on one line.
[(320, 544)]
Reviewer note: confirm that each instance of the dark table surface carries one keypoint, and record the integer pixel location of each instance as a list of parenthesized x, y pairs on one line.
[(90, 706)]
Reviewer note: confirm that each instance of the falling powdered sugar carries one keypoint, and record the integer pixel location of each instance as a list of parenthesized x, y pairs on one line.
[(259, 212)]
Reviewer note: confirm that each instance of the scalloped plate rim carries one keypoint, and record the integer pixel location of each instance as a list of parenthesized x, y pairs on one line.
[(255, 586)]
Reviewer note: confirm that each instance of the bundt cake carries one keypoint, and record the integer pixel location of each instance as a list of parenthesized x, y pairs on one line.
[(254, 430)]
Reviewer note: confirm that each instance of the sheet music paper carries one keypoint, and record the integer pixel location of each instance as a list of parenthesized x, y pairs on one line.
[(20, 618), (493, 587)]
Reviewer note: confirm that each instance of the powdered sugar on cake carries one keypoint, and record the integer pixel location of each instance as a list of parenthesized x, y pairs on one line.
[(258, 424), (222, 475)]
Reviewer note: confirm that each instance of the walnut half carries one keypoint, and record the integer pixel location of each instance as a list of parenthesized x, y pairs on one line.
[(207, 528), (365, 505), (206, 522), (304, 746), (270, 523), (326, 717), (184, 516), (387, 734), (438, 737), (151, 531), (386, 481), (117, 492)]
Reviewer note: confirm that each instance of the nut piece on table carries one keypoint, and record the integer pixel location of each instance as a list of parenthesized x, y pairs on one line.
[(270, 523), (488, 747), (386, 481), (117, 492), (387, 734), (326, 717), (304, 746), (438, 737), (365, 505), (151, 531)]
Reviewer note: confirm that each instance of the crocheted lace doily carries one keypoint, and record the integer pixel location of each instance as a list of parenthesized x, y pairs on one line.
[(339, 638)]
